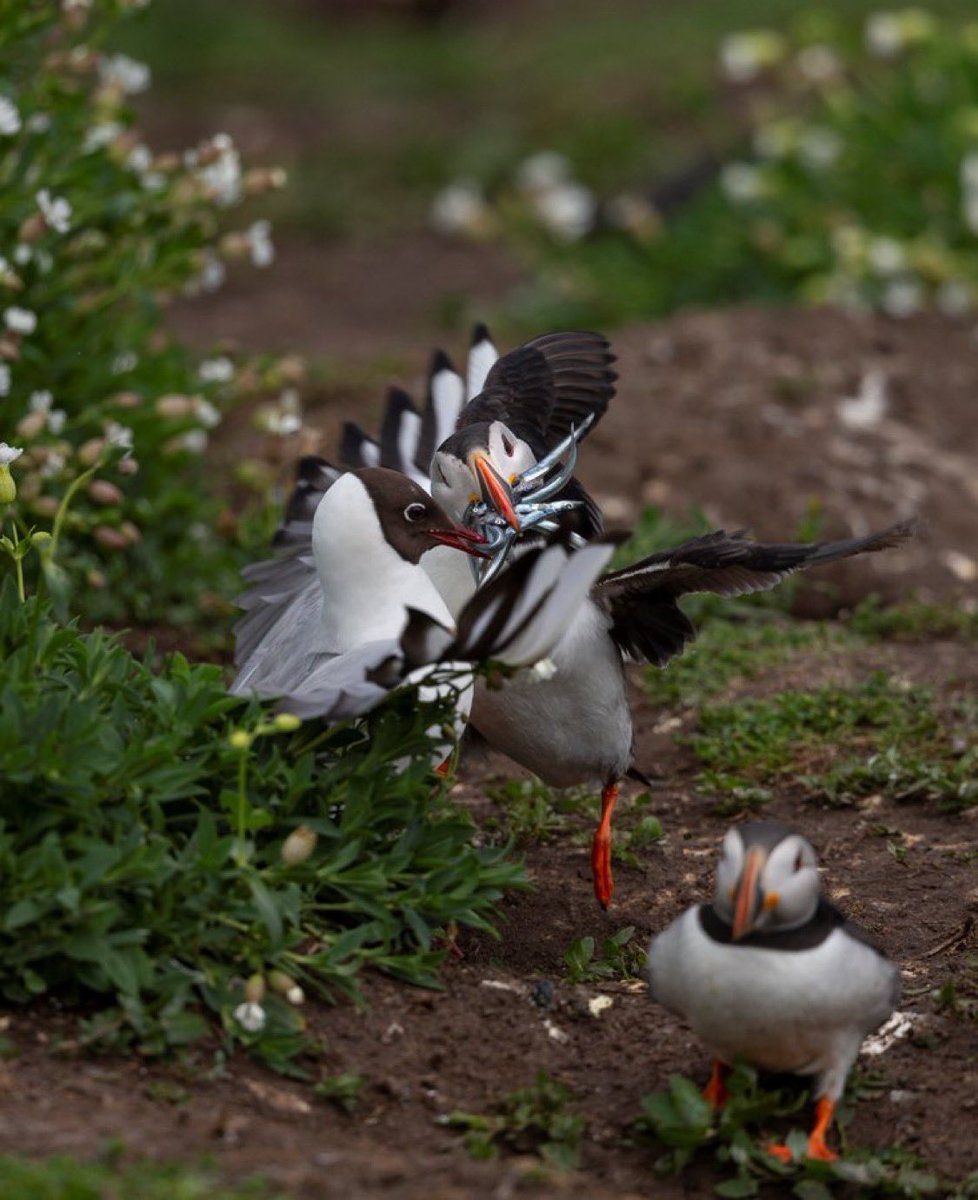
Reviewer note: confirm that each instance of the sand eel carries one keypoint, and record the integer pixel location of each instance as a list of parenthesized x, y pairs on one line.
[(772, 974), (375, 619)]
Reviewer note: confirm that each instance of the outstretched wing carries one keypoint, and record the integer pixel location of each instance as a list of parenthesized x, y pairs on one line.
[(642, 600)]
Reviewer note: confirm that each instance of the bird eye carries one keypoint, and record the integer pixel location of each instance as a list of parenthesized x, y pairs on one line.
[(799, 861), (508, 445), (415, 512)]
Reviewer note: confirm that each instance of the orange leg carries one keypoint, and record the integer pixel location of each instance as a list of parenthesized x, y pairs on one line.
[(604, 884), (715, 1092), (817, 1145), (443, 768)]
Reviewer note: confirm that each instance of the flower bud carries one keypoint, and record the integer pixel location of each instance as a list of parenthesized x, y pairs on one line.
[(127, 466), (47, 506), (94, 579), (130, 532), (30, 426), (33, 228), (111, 539), (299, 845), (175, 406), (91, 451), (287, 722), (40, 538), (126, 399), (104, 492), (255, 988), (8, 489)]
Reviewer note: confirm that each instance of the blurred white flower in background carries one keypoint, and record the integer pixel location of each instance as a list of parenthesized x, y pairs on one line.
[(217, 166), (283, 418), (54, 418), (125, 73), (55, 210), (4, 379), (902, 298), (819, 147), (544, 170), (886, 256), (124, 362), (213, 274), (250, 1016), (206, 413), (776, 139), (54, 463), (868, 407), (460, 208), (216, 370), (22, 255), (744, 56), (890, 33), (565, 207), (9, 117), (119, 436), (20, 320), (38, 122), (819, 64), (260, 245), (100, 134), (742, 182)]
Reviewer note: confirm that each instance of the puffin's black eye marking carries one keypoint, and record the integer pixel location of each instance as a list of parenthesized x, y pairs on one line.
[(799, 861), (508, 446), (415, 512)]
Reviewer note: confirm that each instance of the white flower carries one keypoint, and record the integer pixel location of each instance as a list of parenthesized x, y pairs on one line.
[(954, 298), (206, 413), (902, 298), (100, 134), (54, 417), (22, 254), (53, 464), (886, 256), (9, 118), (567, 210), (250, 1016), (819, 64), (884, 36), (460, 208), (869, 406), (20, 320), (216, 370), (260, 244), (743, 56), (76, 5), (285, 418), (742, 182), (8, 454), (125, 73), (777, 139), (544, 170), (56, 211), (221, 175), (819, 147), (214, 273), (119, 435), (38, 122), (153, 181), (140, 159), (194, 440), (4, 379), (125, 362)]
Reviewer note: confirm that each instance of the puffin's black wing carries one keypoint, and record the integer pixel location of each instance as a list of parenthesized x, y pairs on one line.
[(642, 600), (544, 388)]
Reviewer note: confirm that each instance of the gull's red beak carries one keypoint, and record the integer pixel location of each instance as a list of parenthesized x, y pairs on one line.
[(460, 538), (748, 898), (495, 490)]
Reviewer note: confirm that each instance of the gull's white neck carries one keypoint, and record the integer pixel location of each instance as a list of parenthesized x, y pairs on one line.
[(367, 586)]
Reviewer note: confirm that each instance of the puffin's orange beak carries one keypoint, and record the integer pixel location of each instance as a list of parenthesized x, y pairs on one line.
[(747, 900), (495, 490)]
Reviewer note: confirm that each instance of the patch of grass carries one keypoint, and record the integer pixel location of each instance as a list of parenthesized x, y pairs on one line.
[(842, 742), (341, 1090), (620, 958), (532, 812), (536, 1119), (64, 1178), (726, 650), (686, 1127), (913, 621)]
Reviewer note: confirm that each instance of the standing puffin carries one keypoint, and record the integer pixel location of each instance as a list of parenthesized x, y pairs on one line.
[(772, 974)]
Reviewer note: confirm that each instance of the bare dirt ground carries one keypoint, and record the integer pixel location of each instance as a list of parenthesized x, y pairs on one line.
[(742, 414)]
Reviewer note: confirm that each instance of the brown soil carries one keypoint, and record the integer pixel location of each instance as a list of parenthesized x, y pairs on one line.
[(905, 872)]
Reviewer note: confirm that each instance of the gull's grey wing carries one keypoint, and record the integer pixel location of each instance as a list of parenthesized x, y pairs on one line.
[(343, 686), (642, 600), (277, 641)]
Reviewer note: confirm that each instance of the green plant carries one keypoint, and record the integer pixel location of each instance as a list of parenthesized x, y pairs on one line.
[(532, 812), (341, 1090), (71, 1179), (687, 1127), (167, 849), (534, 1119), (97, 233), (913, 621), (620, 958)]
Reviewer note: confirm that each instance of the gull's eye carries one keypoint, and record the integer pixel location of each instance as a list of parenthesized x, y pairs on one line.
[(415, 512)]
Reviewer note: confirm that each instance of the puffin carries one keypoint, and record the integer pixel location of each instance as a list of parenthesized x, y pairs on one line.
[(576, 727), (774, 975)]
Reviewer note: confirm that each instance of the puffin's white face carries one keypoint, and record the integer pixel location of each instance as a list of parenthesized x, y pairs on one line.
[(458, 482), (762, 886)]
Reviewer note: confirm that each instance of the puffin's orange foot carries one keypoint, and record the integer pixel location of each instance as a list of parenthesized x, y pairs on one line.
[(604, 884), (715, 1092), (817, 1148), (443, 768), (779, 1151)]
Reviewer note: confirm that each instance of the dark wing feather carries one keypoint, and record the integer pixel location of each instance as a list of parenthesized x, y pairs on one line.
[(642, 600), (313, 478), (357, 448), (545, 387)]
